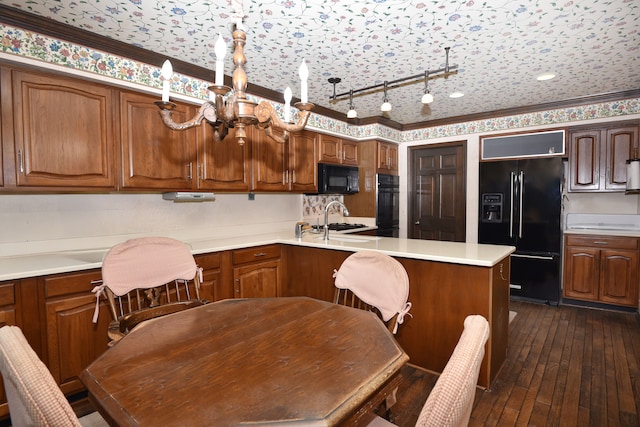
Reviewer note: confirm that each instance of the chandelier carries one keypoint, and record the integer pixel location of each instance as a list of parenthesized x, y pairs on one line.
[(427, 97), (229, 107)]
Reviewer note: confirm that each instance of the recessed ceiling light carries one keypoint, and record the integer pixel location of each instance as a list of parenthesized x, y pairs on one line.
[(456, 95), (545, 76)]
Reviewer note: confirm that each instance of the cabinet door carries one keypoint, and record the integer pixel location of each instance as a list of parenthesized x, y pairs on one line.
[(350, 153), (7, 317), (73, 340), (257, 280), (63, 132), (223, 165), (154, 156), (214, 286), (581, 273), (330, 149), (270, 163), (584, 160), (303, 152), (620, 146), (619, 277)]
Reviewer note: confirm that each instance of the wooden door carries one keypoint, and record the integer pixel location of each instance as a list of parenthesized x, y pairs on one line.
[(437, 194), (154, 156), (581, 273), (63, 132), (619, 277), (584, 160), (269, 163), (620, 145), (223, 165), (258, 280), (303, 152)]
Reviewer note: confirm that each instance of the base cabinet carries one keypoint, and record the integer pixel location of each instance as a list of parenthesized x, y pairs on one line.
[(256, 272), (73, 340), (602, 269)]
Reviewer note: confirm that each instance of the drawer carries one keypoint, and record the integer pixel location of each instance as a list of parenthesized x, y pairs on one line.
[(617, 242), (257, 253), (71, 283), (7, 293), (208, 261)]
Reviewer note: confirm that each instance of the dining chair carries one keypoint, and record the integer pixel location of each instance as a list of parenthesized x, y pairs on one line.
[(374, 281), (451, 400), (33, 396), (146, 278)]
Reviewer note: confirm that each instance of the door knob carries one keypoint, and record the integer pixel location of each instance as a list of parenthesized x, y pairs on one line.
[(417, 222)]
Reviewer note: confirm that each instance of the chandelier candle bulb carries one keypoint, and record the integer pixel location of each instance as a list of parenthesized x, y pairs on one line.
[(287, 104), (220, 50), (167, 72), (304, 75)]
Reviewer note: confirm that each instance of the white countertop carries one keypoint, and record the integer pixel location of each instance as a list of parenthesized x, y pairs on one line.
[(37, 264), (624, 225)]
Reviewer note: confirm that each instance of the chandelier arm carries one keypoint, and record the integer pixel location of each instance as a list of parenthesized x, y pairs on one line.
[(277, 138), (206, 111), (267, 114)]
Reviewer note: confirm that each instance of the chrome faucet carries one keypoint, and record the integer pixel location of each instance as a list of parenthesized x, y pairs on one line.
[(345, 212)]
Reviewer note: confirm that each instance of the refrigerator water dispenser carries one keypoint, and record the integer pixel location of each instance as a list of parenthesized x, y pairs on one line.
[(492, 207)]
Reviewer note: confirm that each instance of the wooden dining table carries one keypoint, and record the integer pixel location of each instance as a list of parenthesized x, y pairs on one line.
[(249, 362)]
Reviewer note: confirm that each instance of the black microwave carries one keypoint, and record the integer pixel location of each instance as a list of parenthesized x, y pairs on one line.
[(337, 179)]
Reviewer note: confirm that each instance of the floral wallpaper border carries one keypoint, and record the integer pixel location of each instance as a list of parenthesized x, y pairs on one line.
[(27, 44)]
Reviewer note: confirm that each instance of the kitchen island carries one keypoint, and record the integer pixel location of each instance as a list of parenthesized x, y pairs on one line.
[(448, 281)]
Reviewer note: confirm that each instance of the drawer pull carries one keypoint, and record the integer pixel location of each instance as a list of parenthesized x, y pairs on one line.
[(259, 254), (600, 242)]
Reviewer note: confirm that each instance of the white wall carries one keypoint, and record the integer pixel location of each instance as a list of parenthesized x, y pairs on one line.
[(57, 217), (572, 202)]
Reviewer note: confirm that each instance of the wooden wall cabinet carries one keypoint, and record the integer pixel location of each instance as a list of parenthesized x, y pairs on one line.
[(256, 272), (338, 151), (154, 156), (597, 158), (223, 165), (602, 269), (387, 158), (57, 131), (283, 167)]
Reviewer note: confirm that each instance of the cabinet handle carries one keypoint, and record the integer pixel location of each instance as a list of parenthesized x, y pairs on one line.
[(344, 155), (260, 254), (190, 176), (293, 177), (600, 242), (20, 161), (286, 177), (501, 273)]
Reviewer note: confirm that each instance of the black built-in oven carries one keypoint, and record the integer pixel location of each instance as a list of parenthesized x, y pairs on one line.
[(388, 205)]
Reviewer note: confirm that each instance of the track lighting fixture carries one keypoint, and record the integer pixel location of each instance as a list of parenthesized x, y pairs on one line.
[(352, 113), (386, 105), (427, 97)]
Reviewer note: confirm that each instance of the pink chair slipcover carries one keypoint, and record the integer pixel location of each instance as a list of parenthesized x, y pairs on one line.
[(144, 263), (377, 280)]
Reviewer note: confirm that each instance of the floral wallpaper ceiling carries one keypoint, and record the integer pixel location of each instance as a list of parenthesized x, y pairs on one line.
[(500, 47)]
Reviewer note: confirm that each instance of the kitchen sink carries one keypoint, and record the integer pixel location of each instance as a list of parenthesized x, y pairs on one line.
[(345, 239), (90, 255)]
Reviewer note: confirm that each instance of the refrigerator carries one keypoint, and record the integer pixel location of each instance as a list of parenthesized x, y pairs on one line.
[(388, 205), (520, 205)]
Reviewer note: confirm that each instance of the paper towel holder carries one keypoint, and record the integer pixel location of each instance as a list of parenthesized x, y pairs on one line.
[(633, 174)]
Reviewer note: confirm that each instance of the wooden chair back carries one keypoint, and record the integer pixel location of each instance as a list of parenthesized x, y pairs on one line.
[(146, 278), (376, 282)]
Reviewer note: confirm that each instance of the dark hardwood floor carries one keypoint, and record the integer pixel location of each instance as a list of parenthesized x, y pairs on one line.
[(566, 366)]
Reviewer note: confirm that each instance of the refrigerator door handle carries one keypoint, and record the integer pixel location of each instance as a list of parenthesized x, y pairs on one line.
[(511, 186), (521, 203)]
